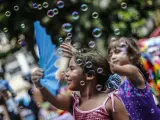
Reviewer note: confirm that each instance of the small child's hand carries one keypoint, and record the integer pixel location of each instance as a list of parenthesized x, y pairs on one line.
[(36, 76), (68, 50)]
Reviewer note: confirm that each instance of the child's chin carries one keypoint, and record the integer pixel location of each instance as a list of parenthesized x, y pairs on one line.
[(72, 88)]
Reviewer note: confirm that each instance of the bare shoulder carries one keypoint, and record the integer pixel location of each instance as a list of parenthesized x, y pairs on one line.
[(113, 102), (116, 108)]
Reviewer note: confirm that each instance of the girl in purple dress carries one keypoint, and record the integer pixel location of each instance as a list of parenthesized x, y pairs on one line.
[(124, 57)]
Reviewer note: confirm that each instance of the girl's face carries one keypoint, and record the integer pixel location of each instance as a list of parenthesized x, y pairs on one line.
[(74, 75), (118, 54)]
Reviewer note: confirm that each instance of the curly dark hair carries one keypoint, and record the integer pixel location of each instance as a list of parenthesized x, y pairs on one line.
[(97, 64), (132, 50)]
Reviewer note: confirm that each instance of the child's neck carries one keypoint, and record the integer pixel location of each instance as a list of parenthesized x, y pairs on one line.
[(88, 92)]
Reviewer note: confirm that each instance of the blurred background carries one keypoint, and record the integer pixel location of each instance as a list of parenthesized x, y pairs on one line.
[(90, 22)]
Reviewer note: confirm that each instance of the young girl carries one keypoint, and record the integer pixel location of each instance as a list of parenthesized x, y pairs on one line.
[(87, 74), (124, 58)]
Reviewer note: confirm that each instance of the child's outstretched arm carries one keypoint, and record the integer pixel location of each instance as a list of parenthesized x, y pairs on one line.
[(60, 101), (130, 71), (117, 109)]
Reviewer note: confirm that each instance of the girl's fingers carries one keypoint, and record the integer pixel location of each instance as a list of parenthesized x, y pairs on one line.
[(67, 52), (38, 73), (35, 78), (66, 47)]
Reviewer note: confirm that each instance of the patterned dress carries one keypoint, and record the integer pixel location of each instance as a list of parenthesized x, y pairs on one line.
[(98, 113), (139, 102)]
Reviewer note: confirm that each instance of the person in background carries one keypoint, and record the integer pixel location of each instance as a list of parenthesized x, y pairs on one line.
[(125, 59)]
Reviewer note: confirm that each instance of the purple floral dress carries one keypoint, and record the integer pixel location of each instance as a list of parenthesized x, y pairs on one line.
[(139, 102)]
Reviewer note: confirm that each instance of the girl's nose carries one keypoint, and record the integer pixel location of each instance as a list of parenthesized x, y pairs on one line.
[(113, 57), (66, 74)]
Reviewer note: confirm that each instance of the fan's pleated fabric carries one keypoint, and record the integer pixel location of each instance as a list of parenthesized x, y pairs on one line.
[(47, 53)]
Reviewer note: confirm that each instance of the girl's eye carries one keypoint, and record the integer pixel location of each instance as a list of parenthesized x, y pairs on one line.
[(117, 51), (72, 68)]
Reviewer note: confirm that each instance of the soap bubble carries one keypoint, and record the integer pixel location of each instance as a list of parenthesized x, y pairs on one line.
[(84, 7), (88, 64), (35, 5), (8, 13), (39, 7), (5, 29), (99, 70), (50, 13), (91, 44), (60, 40), (67, 27), (69, 35), (117, 31), (60, 4), (97, 32), (16, 8), (22, 25), (45, 4), (123, 5), (55, 11), (79, 61), (95, 15), (75, 15), (99, 87)]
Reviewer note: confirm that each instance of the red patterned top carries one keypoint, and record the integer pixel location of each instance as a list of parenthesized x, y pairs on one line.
[(98, 113)]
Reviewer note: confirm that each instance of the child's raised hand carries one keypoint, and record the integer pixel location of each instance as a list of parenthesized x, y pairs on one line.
[(67, 49), (36, 76)]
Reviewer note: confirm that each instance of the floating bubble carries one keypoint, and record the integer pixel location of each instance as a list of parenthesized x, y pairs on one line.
[(79, 61), (67, 40), (67, 27), (22, 25), (16, 8), (117, 31), (59, 51), (5, 29), (60, 40), (95, 15), (97, 32), (124, 5), (91, 44), (99, 87), (91, 73), (35, 5), (45, 4), (50, 13), (99, 70), (152, 110), (39, 7), (60, 4), (69, 35), (55, 11), (88, 64), (84, 7), (82, 83), (8, 13), (75, 15)]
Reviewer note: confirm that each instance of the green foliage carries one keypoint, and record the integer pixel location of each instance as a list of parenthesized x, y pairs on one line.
[(114, 18)]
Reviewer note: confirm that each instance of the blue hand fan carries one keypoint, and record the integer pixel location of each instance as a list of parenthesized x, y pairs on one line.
[(47, 53)]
